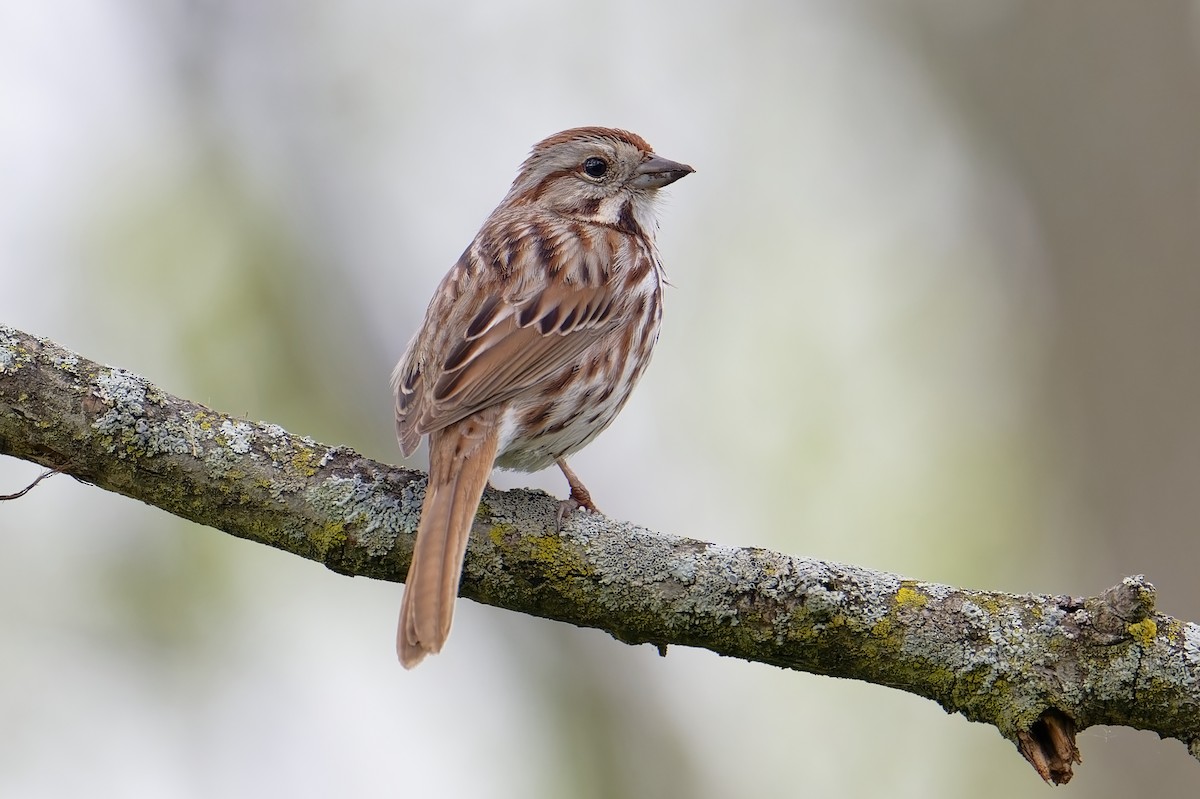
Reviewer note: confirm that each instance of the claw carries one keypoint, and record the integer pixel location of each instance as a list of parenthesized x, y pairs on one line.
[(580, 497)]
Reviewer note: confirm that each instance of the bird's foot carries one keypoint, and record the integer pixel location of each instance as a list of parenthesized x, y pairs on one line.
[(580, 497)]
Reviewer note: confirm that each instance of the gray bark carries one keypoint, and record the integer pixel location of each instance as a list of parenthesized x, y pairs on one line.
[(1037, 667)]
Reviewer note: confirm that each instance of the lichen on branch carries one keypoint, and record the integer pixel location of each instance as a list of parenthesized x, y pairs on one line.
[(1037, 667)]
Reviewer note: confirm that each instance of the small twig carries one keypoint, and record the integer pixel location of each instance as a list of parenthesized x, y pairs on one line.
[(28, 488)]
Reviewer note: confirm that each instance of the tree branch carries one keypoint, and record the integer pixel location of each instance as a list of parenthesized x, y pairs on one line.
[(1037, 667)]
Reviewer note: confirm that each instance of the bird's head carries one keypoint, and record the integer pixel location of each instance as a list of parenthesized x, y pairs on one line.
[(601, 175)]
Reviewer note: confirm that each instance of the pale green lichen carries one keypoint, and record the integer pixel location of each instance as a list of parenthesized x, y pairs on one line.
[(366, 509), (12, 354), (123, 423), (1191, 645), (236, 436), (299, 456), (274, 431), (7, 354), (128, 432), (69, 363), (220, 461)]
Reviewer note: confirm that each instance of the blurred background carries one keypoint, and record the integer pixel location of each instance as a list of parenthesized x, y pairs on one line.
[(936, 310)]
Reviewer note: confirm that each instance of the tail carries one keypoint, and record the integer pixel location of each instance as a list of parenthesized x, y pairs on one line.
[(460, 460)]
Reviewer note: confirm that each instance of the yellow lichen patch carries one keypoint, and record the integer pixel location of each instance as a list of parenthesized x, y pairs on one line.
[(1174, 630), (546, 549), (1143, 631), (941, 678), (990, 604), (331, 535), (303, 460), (882, 628), (497, 532), (803, 632), (909, 597), (554, 558)]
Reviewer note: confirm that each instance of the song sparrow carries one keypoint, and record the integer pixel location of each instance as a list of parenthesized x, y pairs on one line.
[(530, 346)]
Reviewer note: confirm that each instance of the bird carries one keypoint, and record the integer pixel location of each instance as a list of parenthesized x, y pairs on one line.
[(530, 346)]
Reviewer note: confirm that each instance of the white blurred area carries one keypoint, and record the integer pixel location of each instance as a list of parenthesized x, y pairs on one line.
[(878, 349)]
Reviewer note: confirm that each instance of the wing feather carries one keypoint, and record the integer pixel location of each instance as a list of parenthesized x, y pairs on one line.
[(531, 344), (487, 353)]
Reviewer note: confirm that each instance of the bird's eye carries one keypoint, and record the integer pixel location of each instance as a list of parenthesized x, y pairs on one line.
[(595, 167)]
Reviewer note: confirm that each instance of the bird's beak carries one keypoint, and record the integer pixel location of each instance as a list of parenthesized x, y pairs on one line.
[(658, 172)]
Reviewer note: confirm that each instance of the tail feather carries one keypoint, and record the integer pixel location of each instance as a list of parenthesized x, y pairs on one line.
[(460, 460)]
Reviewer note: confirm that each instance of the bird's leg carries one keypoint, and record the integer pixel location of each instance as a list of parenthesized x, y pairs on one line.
[(580, 497)]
